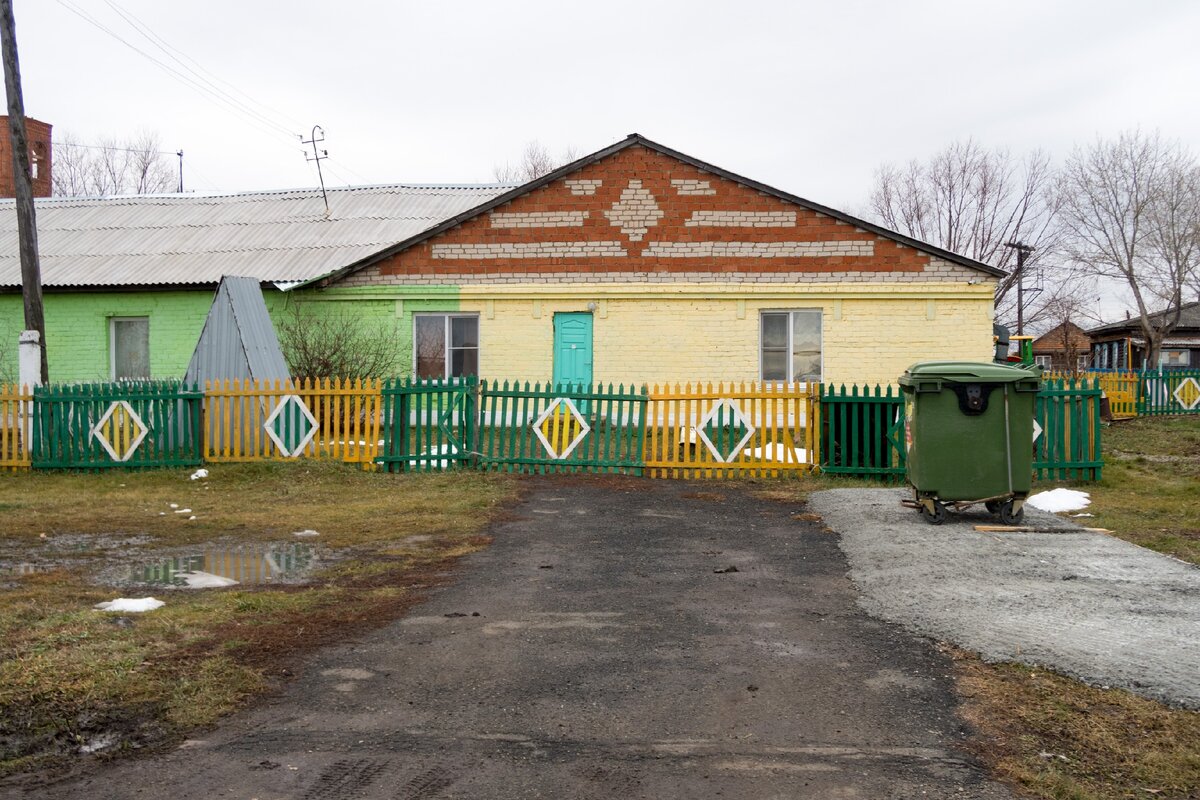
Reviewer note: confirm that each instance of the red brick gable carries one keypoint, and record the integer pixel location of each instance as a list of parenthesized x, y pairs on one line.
[(639, 210)]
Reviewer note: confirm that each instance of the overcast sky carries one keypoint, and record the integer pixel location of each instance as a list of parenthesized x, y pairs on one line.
[(806, 97)]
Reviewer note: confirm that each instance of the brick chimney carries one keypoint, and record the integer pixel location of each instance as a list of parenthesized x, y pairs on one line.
[(38, 134)]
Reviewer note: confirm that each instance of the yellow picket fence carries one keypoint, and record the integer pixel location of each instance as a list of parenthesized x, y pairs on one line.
[(325, 418), (734, 430), (16, 420), (1121, 389)]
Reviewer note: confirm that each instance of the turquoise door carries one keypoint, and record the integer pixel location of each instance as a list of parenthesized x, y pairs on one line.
[(573, 348)]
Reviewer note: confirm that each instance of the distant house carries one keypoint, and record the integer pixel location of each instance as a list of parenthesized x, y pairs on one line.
[(1121, 345), (1064, 348), (634, 264)]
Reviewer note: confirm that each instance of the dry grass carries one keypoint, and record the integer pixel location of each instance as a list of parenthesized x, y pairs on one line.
[(70, 675), (1053, 737)]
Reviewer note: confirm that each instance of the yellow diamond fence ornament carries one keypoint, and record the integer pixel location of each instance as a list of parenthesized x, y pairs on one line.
[(560, 428), (1187, 393), (120, 431)]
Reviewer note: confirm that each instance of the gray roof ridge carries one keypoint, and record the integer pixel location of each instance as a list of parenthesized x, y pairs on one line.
[(251, 194)]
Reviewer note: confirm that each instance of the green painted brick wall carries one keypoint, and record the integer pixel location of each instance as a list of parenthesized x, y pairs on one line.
[(77, 324)]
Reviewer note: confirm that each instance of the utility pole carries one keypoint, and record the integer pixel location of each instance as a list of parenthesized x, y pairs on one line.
[(1023, 250), (318, 156), (180, 154), (31, 273)]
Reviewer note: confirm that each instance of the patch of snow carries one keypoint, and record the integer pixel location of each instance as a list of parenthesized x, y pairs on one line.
[(206, 580), (777, 452), (173, 505), (440, 450), (200, 473), (1057, 500), (183, 511), (306, 532), (130, 605), (192, 517), (1083, 515)]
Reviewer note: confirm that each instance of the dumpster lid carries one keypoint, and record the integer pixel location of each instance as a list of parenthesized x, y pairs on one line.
[(968, 372)]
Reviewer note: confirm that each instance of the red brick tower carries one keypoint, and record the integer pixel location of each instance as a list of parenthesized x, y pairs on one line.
[(38, 134)]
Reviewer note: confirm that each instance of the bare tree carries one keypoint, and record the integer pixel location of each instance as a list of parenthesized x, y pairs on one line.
[(535, 162), (337, 345), (1130, 213), (136, 165), (973, 201)]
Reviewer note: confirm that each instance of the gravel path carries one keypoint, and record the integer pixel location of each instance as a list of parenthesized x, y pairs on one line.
[(1086, 604)]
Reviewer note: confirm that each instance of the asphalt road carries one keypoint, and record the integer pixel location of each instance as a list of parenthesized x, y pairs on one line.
[(615, 654)]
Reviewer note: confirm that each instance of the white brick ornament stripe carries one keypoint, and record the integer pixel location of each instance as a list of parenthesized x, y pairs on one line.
[(757, 249), (690, 187), (540, 219), (742, 219), (583, 187), (454, 252)]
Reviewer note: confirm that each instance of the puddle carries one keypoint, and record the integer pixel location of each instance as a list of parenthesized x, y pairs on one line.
[(282, 563)]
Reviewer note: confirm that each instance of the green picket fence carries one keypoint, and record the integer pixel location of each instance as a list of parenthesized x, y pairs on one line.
[(121, 424), (1068, 447), (862, 432), (428, 425), (561, 428), (1162, 392)]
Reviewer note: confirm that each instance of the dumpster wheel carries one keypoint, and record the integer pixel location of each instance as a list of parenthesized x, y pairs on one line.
[(1012, 512), (936, 515)]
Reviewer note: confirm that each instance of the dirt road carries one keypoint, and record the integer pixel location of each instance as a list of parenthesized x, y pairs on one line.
[(619, 639)]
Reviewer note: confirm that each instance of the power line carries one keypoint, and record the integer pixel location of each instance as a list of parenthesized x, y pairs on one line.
[(171, 51), (119, 149), (214, 97)]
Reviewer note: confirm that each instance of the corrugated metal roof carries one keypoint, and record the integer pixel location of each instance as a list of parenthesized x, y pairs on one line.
[(194, 239)]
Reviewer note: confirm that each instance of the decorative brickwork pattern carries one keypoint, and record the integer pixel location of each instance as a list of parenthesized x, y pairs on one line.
[(758, 249), (702, 228), (741, 219), (582, 188), (540, 219), (529, 250), (635, 212), (691, 187)]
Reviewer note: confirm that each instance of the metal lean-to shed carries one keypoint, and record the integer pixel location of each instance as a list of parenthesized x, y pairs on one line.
[(238, 342)]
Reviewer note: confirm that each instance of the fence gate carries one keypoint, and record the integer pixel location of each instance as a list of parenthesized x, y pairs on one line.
[(429, 424), (126, 424), (862, 432), (561, 427)]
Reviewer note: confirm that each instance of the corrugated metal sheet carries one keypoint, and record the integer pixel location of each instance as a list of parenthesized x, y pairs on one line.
[(238, 340), (189, 239)]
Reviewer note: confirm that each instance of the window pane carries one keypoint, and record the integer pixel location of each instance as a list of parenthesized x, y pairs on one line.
[(806, 346), (430, 333), (774, 365), (464, 361), (774, 330), (464, 332), (131, 348), (806, 366)]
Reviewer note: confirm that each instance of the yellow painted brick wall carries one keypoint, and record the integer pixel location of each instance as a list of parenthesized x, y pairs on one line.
[(657, 337)]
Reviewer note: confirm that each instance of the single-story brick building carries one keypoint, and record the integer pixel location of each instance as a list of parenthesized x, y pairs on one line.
[(636, 263)]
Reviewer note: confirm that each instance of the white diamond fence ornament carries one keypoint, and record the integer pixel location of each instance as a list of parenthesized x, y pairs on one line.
[(737, 417), (1037, 430), (562, 417), (120, 431), (1187, 393), (298, 434)]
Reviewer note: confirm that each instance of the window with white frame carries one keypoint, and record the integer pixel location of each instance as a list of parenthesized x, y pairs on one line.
[(1042, 361), (446, 345), (129, 347), (1083, 361), (790, 346)]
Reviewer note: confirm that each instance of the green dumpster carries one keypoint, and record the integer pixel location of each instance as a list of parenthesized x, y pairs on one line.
[(969, 436)]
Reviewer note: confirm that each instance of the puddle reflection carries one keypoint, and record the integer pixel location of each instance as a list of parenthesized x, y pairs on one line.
[(227, 568)]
